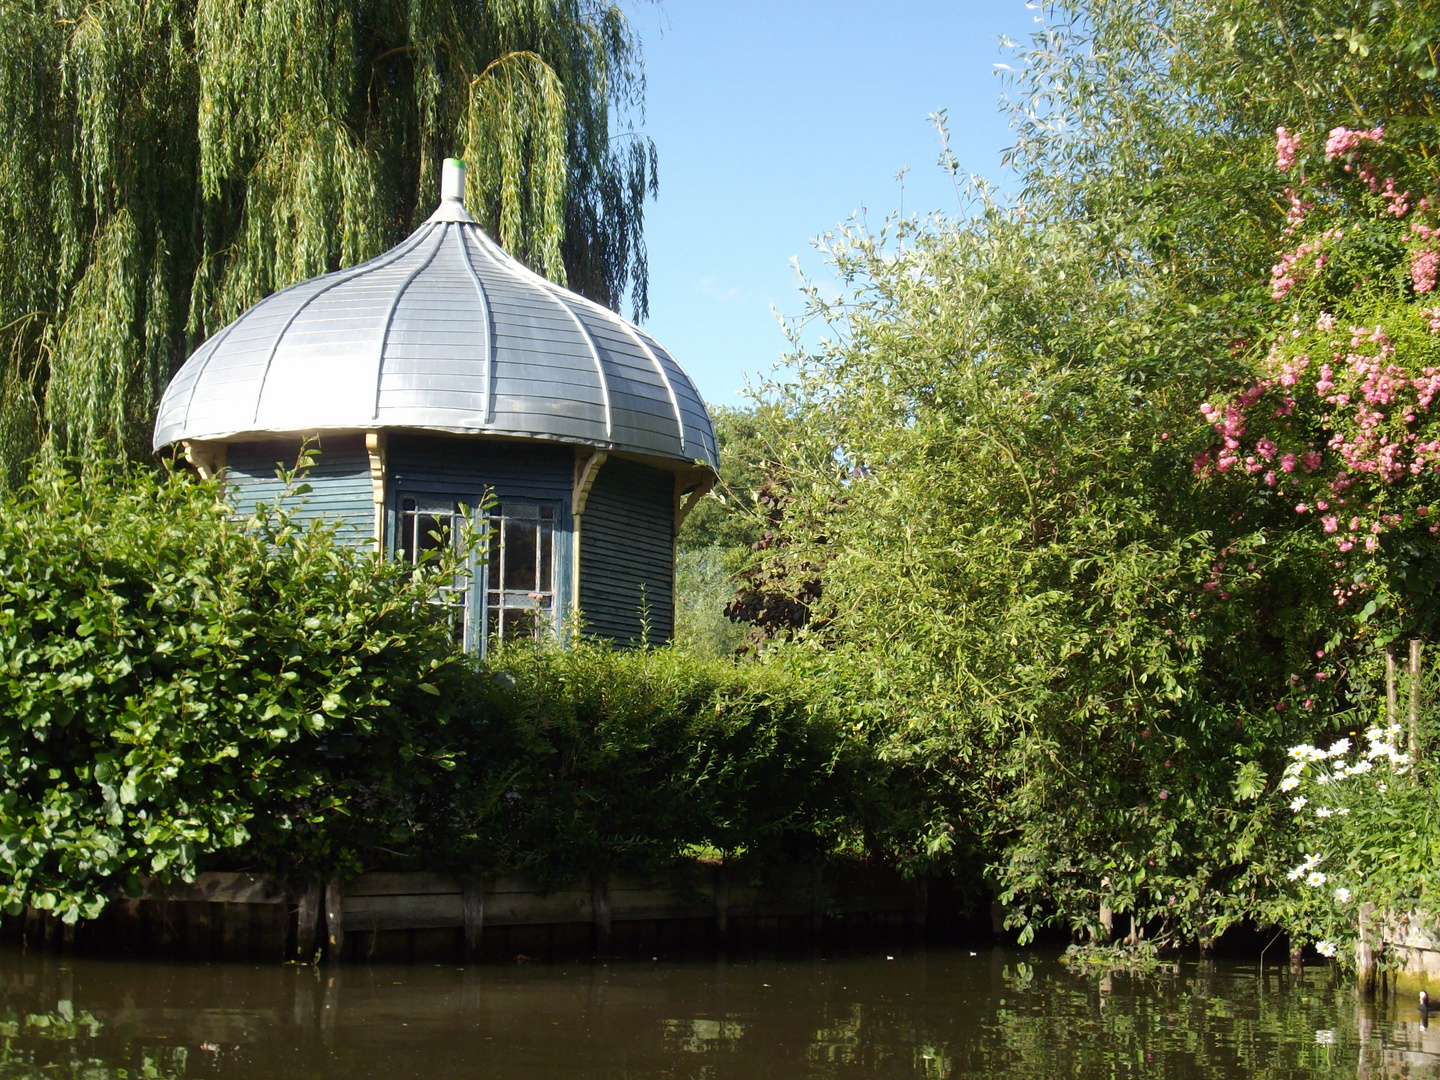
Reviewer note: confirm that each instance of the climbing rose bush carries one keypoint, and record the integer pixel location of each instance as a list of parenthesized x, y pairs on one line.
[(1341, 428)]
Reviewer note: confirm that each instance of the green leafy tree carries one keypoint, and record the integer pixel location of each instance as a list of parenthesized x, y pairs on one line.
[(996, 469), (165, 165)]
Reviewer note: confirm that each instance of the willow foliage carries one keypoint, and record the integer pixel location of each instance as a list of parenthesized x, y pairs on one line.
[(167, 163)]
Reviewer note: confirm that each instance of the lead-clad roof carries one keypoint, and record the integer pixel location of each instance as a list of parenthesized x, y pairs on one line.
[(444, 332)]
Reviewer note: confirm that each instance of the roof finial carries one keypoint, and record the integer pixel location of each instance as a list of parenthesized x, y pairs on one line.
[(452, 180)]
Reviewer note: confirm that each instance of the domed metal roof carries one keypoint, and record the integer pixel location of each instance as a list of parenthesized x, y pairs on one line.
[(444, 332)]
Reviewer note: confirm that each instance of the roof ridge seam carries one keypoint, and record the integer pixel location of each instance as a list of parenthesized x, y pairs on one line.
[(341, 278), (219, 340), (551, 290), (489, 412), (634, 333), (390, 315)]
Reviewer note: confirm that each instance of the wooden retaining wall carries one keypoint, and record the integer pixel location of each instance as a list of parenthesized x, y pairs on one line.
[(413, 916), (1401, 946)]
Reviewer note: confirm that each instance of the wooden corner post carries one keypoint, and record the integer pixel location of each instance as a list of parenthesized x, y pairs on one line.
[(587, 468), (375, 450), (334, 921)]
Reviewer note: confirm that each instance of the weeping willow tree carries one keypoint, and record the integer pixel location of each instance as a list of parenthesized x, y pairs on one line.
[(166, 163)]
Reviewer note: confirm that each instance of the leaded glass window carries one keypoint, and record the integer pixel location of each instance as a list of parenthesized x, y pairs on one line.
[(510, 590)]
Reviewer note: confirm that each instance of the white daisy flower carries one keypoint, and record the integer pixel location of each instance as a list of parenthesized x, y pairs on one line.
[(1315, 880), (1325, 948)]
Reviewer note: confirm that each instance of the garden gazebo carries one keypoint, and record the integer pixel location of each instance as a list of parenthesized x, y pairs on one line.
[(443, 371)]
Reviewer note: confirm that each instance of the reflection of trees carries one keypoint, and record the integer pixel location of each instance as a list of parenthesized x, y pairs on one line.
[(58, 1045), (935, 1017)]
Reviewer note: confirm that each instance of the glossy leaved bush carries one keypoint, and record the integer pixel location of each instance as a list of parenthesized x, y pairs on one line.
[(177, 681), (186, 688), (586, 761)]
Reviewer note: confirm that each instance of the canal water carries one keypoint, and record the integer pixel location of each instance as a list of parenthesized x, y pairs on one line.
[(995, 1013)]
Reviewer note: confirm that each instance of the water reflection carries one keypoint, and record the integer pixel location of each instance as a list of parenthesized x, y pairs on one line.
[(937, 1015)]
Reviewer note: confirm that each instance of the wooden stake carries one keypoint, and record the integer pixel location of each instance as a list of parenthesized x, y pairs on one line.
[(307, 918), (473, 906), (1415, 646), (334, 920), (600, 908), (1391, 705), (722, 901)]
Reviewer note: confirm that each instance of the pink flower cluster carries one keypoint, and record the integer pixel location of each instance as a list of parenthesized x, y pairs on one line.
[(1286, 146), (1371, 405), (1399, 201), (1343, 140), (1424, 267), (1433, 314), (1295, 216), (1292, 268)]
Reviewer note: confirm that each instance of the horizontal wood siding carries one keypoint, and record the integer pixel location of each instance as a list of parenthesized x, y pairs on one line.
[(627, 553), (464, 467), (340, 481)]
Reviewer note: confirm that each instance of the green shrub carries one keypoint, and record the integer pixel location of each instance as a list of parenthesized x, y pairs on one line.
[(586, 760), (183, 688), (177, 681)]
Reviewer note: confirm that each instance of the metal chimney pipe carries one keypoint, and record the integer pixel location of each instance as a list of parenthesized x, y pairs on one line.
[(452, 180)]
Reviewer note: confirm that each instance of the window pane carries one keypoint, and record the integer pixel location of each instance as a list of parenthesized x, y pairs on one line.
[(547, 557), (520, 623), (495, 523), (520, 543), (433, 533)]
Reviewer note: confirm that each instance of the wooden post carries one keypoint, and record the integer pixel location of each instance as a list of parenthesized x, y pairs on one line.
[(1107, 923), (375, 450), (307, 919), (1415, 684), (1391, 704), (199, 930), (922, 906), (600, 906), (1366, 967), (473, 905), (234, 931), (334, 921), (722, 901)]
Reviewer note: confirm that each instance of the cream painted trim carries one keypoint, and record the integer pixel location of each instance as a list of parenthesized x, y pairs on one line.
[(375, 448), (206, 458), (587, 468), (684, 505)]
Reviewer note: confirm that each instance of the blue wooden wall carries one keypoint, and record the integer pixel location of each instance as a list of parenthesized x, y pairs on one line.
[(340, 480), (627, 571), (458, 466), (627, 553)]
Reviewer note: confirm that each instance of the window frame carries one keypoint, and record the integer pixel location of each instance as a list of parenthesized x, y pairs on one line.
[(474, 603)]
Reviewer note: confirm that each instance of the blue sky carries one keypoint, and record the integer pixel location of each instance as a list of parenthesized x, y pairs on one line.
[(776, 121)]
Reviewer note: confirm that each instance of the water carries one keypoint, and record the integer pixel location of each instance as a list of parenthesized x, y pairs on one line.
[(929, 1014)]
